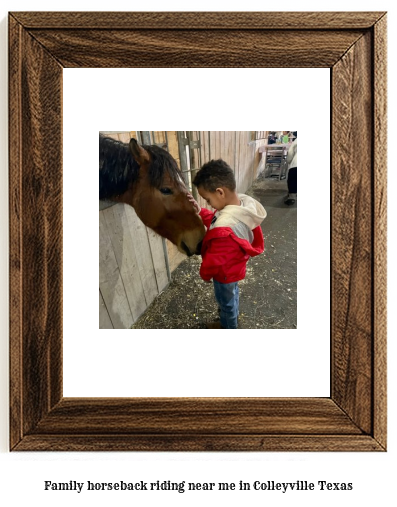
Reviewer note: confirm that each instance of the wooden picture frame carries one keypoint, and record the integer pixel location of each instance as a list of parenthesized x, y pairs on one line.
[(353, 46)]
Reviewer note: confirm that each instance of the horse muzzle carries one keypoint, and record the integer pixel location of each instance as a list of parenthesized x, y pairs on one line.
[(191, 251), (190, 242)]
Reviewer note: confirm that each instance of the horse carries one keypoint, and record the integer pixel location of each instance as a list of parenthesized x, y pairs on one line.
[(148, 179)]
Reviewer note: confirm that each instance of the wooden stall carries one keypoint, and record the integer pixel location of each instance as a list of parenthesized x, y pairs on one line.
[(135, 264)]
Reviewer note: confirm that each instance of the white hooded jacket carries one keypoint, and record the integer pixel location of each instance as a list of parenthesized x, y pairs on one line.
[(241, 219)]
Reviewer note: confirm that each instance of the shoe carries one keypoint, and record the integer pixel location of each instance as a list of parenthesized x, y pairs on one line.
[(289, 202), (213, 325)]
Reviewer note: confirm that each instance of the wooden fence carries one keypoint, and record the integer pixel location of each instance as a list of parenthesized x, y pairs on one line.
[(135, 264)]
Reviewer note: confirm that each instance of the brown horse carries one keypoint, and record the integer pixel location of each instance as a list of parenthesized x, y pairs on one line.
[(148, 179)]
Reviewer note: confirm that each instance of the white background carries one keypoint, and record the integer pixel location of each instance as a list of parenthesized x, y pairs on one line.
[(22, 475), (243, 363)]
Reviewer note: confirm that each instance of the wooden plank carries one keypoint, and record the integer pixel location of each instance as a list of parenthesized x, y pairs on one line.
[(235, 156), (110, 281), (212, 144), (175, 257), (251, 163), (15, 232), (314, 424), (124, 137), (206, 20), (121, 237), (156, 48), (208, 144), (352, 255), (204, 159), (205, 152), (252, 169), (238, 161), (241, 160), (221, 416), (104, 319), (380, 230), (203, 136), (173, 145), (217, 145), (143, 255), (199, 443), (159, 136), (160, 268), (244, 160), (223, 145), (35, 231), (247, 161), (229, 148)]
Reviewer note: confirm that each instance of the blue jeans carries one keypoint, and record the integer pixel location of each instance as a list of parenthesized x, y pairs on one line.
[(227, 296)]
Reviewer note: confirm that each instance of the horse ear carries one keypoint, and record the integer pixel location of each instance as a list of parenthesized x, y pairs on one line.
[(138, 152)]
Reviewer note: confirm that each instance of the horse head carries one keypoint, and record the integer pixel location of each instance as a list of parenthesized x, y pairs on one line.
[(158, 194)]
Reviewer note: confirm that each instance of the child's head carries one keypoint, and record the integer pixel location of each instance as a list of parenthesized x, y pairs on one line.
[(216, 184)]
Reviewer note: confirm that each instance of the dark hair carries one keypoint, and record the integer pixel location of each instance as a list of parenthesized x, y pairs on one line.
[(215, 174), (118, 170)]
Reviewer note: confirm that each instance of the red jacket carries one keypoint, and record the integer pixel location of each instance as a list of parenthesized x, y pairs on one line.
[(224, 254)]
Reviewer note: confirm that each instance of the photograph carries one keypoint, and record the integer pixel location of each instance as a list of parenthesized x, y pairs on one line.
[(198, 230)]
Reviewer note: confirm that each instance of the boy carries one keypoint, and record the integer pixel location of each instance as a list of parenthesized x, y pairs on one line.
[(233, 236)]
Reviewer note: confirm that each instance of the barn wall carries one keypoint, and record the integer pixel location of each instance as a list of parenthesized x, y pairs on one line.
[(132, 258), (132, 269)]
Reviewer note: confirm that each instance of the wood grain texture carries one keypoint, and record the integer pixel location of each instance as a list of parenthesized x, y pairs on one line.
[(199, 443), (353, 45), (195, 48), (203, 20), (15, 245), (197, 416), (380, 229), (199, 425), (352, 232), (37, 176)]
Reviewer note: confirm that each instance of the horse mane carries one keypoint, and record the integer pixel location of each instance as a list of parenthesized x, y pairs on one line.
[(118, 170)]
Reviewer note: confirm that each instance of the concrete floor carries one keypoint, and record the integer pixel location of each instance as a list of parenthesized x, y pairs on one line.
[(278, 283), (268, 294)]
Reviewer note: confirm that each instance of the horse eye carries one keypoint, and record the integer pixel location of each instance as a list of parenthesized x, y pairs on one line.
[(166, 191)]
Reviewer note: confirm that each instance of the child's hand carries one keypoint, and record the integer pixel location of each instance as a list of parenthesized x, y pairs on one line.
[(196, 205)]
